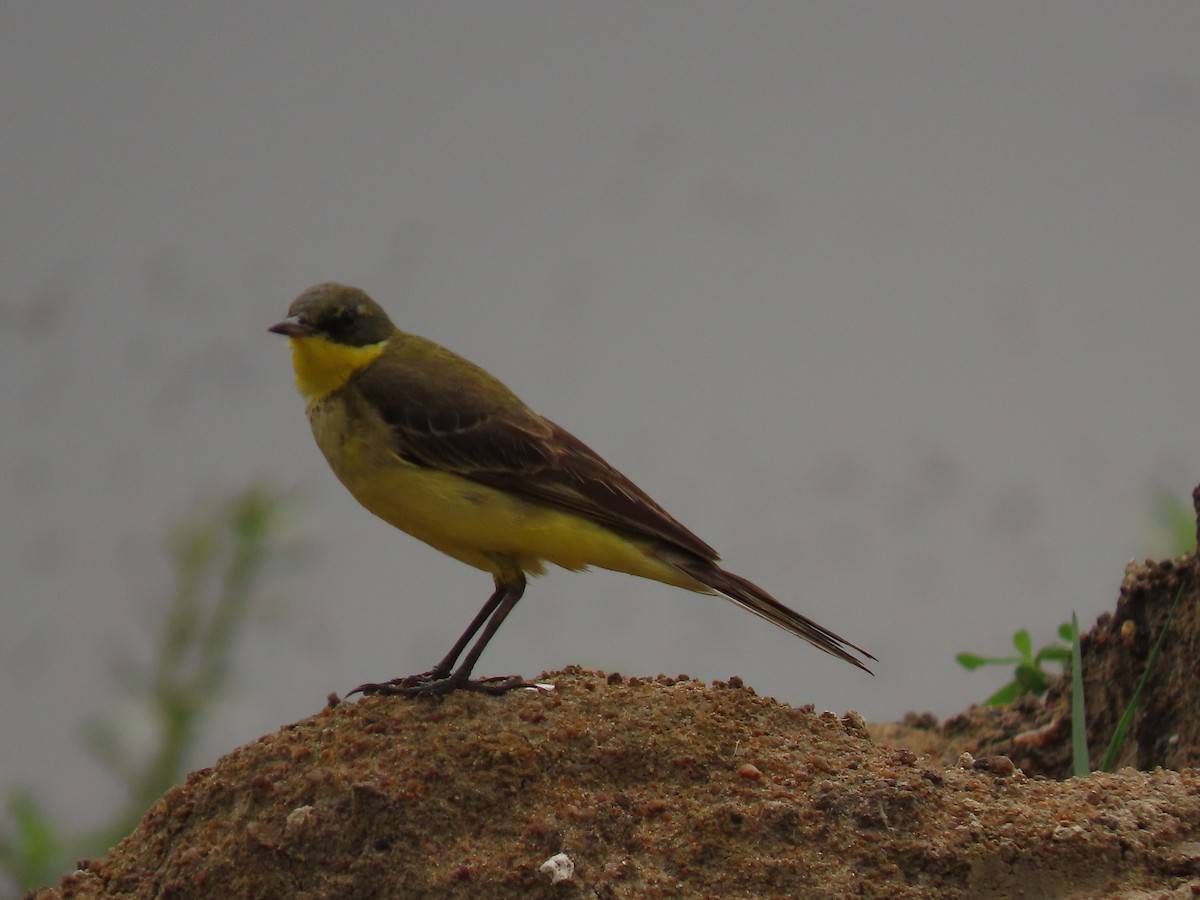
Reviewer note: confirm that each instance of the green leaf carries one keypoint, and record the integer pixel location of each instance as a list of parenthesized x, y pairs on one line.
[(972, 661), (1053, 653), (1023, 643), (1005, 695)]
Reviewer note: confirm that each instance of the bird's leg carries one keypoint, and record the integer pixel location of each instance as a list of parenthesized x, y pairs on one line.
[(444, 678), (510, 593), (446, 666)]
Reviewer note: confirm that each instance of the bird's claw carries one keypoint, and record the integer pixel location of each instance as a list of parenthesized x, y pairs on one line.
[(435, 683)]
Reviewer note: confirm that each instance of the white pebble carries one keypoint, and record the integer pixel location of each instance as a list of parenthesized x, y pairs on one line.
[(559, 867)]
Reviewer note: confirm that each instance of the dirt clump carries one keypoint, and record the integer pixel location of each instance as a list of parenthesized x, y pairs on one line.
[(607, 787), (660, 787)]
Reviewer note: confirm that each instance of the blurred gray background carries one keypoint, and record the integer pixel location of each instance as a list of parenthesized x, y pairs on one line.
[(895, 304)]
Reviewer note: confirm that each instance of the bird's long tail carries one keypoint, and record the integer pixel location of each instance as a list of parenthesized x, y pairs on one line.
[(750, 596)]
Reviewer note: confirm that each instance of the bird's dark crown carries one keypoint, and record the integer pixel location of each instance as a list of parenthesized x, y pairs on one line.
[(342, 314)]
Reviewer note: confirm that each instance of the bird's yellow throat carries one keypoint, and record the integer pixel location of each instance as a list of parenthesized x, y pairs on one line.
[(323, 366)]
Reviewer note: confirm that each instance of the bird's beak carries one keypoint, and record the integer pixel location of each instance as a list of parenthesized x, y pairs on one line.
[(293, 326)]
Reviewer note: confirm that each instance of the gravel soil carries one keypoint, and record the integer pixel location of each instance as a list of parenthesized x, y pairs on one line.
[(668, 787)]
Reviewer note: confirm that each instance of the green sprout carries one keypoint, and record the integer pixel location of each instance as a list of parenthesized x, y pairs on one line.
[(1029, 678)]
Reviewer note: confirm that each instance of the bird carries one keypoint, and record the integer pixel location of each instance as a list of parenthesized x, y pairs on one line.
[(442, 450)]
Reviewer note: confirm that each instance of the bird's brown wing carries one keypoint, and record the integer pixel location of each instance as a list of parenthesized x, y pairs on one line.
[(475, 427)]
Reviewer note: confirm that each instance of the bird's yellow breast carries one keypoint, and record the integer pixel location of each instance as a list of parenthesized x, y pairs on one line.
[(323, 367)]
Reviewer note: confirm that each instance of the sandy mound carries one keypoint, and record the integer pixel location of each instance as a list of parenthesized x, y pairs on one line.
[(657, 788), (667, 787)]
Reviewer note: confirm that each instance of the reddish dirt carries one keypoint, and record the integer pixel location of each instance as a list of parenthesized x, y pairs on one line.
[(667, 787)]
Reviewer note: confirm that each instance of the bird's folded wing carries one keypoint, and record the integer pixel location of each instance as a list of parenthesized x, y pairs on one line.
[(466, 422)]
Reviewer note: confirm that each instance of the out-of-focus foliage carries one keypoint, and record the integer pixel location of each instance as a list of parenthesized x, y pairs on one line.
[(219, 562)]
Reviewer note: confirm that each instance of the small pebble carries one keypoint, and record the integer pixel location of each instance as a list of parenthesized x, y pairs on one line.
[(997, 765), (559, 867)]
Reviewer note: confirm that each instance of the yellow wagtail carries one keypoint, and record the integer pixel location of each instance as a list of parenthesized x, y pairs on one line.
[(437, 447)]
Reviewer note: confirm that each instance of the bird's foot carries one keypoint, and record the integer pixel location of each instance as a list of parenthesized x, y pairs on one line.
[(434, 683)]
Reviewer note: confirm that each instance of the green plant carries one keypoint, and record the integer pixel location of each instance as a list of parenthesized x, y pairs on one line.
[(1029, 677), (219, 561), (33, 854)]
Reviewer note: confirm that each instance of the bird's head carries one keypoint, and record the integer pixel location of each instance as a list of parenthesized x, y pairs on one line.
[(335, 332), (338, 313)]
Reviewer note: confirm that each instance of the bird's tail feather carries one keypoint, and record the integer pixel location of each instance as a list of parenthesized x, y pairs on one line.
[(750, 596)]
